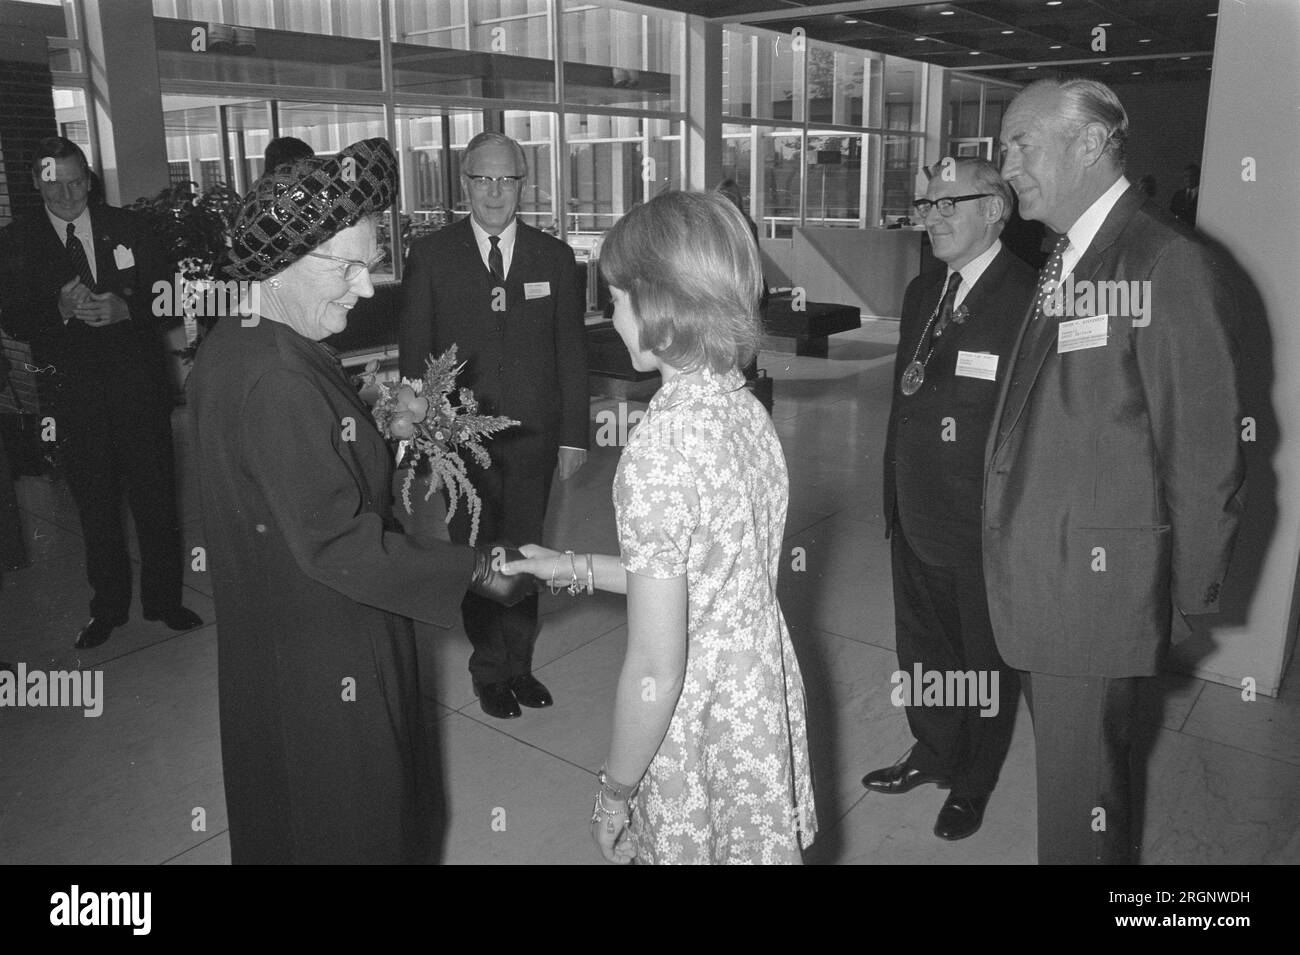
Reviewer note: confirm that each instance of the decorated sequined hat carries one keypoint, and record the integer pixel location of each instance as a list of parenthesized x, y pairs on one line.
[(289, 213)]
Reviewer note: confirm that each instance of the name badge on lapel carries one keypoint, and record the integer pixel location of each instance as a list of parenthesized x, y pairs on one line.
[(123, 258), (537, 289), (1081, 333), (977, 364)]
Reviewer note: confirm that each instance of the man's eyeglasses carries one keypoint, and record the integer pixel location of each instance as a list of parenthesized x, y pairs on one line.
[(946, 206), (485, 182), (352, 267)]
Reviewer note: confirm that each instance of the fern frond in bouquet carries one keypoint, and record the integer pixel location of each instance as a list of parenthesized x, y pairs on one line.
[(427, 425)]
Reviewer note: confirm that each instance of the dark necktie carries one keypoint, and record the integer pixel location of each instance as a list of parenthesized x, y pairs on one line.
[(945, 307), (77, 256), (495, 262), (1050, 277)]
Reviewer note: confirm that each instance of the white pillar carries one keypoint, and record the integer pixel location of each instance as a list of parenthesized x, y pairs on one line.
[(703, 103), (125, 101), (1256, 62)]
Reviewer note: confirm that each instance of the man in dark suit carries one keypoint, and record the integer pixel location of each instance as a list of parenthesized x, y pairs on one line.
[(957, 329), (1183, 204), (1113, 474), (78, 285), (508, 296)]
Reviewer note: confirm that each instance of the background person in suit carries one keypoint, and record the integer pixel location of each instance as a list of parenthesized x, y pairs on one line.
[(78, 285), (284, 150), (1113, 475), (508, 296), (958, 325), (1183, 204)]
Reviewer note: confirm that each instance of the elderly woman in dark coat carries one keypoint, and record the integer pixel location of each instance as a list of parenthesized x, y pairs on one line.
[(319, 692)]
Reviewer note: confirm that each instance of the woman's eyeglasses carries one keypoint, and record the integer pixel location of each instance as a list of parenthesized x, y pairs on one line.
[(946, 206), (352, 267)]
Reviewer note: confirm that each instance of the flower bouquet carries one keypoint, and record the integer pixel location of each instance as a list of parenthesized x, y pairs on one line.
[(421, 417)]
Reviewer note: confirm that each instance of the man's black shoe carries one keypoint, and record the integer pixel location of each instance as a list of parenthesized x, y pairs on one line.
[(497, 700), (529, 691), (960, 817), (900, 778), (96, 632)]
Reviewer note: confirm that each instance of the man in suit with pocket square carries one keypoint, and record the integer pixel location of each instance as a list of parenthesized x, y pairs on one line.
[(508, 296), (1114, 478), (77, 284)]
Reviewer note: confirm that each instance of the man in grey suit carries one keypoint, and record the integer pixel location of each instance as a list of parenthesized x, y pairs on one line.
[(1113, 475)]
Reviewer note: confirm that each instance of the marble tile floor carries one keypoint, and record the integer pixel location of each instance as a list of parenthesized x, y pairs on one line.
[(142, 782)]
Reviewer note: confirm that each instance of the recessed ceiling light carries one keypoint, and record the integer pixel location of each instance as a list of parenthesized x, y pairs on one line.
[(850, 21), (1057, 47), (1211, 14), (1105, 24), (1008, 32), (1053, 3), (921, 39), (1136, 73), (1144, 41), (974, 52), (1106, 63), (1184, 58), (946, 13), (1032, 67)]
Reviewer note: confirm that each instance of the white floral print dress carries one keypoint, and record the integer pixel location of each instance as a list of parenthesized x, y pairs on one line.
[(701, 490)]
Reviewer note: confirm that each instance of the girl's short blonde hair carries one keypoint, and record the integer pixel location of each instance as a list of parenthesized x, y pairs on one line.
[(691, 270)]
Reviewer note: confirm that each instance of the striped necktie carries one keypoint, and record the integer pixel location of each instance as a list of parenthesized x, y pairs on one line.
[(77, 257)]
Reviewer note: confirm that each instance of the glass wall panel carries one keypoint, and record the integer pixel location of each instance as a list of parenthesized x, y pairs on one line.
[(314, 50), (835, 185), (192, 128), (484, 48), (903, 179), (615, 163), (359, 19), (780, 152), (248, 128), (963, 107), (737, 151), (618, 58), (903, 101), (535, 132), (762, 74), (996, 101), (836, 85)]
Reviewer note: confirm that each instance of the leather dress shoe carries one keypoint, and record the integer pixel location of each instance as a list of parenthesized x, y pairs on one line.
[(95, 632), (960, 817), (181, 618), (529, 691), (497, 700), (900, 778)]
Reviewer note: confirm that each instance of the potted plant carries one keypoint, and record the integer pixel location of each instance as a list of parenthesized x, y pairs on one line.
[(192, 227)]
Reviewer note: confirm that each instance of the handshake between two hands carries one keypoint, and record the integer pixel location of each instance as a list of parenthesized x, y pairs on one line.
[(96, 310), (507, 574)]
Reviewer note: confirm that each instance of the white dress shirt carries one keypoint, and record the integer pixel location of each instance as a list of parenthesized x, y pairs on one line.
[(972, 270), (506, 244), (1085, 227)]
